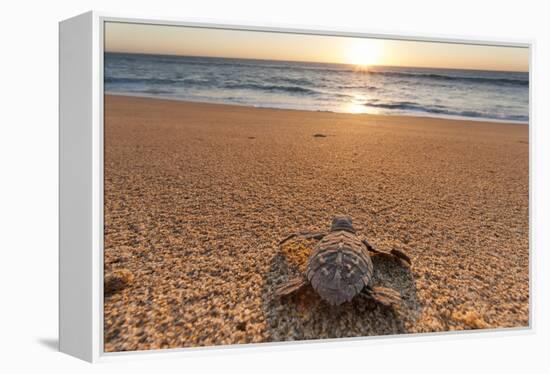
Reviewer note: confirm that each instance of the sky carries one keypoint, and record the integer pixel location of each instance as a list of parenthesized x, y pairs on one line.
[(192, 41)]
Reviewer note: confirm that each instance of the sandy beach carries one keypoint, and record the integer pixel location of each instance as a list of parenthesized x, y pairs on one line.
[(198, 195)]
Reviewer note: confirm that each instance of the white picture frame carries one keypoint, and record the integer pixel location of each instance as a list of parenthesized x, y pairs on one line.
[(81, 185)]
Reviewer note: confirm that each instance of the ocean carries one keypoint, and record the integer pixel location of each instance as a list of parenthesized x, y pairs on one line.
[(449, 93)]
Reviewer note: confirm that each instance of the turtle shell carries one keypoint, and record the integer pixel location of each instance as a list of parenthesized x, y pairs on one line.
[(339, 267)]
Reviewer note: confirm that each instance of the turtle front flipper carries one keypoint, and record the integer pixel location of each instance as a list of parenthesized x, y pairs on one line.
[(402, 255), (291, 286), (305, 235), (383, 295), (397, 253)]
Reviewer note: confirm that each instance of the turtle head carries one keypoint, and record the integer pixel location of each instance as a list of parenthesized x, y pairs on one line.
[(342, 223)]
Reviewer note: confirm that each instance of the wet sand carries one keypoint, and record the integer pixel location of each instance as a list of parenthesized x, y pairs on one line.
[(197, 197)]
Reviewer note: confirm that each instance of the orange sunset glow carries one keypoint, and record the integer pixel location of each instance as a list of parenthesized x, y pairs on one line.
[(363, 52)]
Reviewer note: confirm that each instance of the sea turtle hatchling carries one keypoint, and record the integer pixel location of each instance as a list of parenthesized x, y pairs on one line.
[(340, 266)]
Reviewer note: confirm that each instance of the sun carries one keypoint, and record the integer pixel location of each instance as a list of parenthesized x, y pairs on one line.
[(363, 53)]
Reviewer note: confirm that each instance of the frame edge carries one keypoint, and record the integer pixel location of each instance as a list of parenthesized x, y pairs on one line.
[(76, 274)]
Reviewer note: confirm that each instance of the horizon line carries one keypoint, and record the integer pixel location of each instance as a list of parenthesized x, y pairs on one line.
[(313, 62)]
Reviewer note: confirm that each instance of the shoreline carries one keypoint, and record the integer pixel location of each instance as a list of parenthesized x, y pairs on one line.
[(424, 116)]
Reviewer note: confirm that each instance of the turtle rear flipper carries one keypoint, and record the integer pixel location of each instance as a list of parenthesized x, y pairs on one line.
[(291, 286), (385, 296)]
